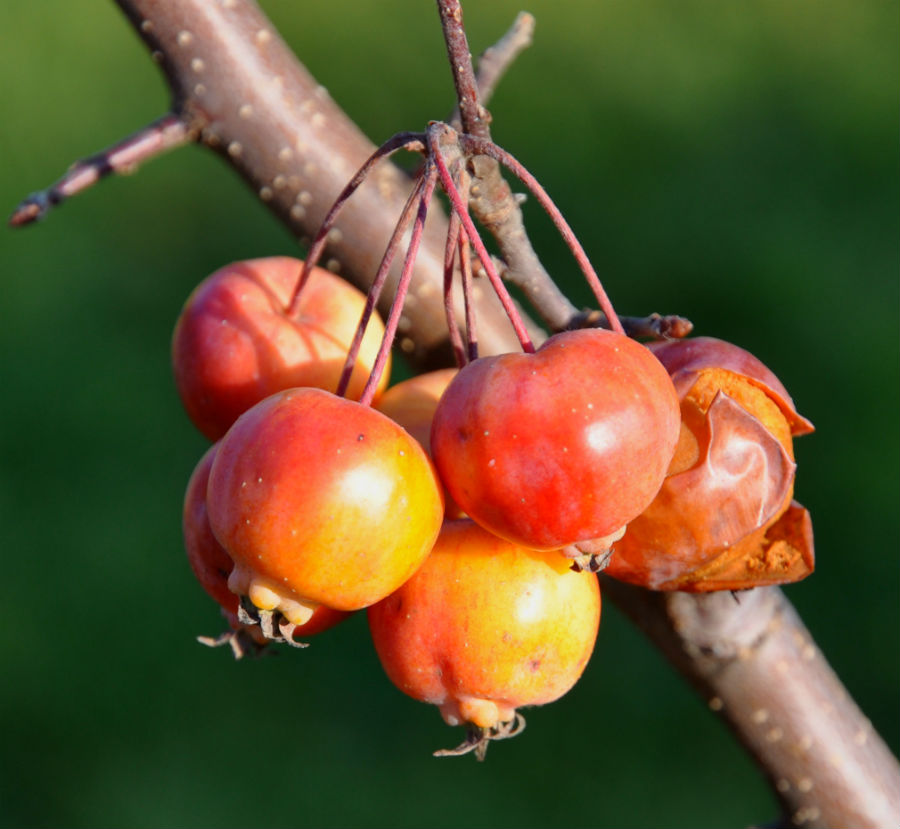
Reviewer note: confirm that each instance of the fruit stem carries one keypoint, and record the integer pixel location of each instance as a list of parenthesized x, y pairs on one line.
[(393, 320), (377, 285), (477, 146), (450, 251), (435, 132), (412, 141)]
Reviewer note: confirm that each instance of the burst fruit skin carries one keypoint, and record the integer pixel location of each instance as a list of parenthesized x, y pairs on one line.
[(486, 626), (210, 563), (321, 500), (724, 518), (561, 446), (235, 343)]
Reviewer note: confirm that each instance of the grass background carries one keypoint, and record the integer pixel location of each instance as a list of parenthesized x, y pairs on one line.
[(735, 163)]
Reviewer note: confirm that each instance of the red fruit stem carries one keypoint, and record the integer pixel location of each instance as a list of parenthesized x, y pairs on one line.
[(459, 206), (393, 320), (477, 146), (466, 267), (459, 350), (377, 285), (401, 141)]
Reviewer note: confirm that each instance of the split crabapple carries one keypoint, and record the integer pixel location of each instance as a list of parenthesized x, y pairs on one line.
[(212, 566), (235, 341), (320, 500), (563, 446), (724, 518), (486, 626)]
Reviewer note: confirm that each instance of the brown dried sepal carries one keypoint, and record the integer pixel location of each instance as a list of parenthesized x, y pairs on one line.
[(478, 739), (273, 626)]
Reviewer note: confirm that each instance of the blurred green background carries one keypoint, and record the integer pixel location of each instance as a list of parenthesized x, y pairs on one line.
[(732, 162)]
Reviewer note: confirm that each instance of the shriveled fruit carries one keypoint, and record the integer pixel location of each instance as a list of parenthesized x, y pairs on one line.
[(236, 343), (724, 517), (485, 627), (212, 566), (321, 501), (560, 447)]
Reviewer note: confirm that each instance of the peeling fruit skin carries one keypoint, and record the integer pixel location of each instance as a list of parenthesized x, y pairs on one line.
[(724, 518), (323, 500), (561, 446), (485, 627), (235, 344), (210, 563)]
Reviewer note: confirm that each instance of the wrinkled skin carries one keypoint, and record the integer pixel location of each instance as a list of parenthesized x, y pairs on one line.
[(321, 500), (235, 343), (486, 626), (561, 446), (724, 517)]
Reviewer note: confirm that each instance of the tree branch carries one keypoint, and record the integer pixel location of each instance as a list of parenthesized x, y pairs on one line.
[(238, 88)]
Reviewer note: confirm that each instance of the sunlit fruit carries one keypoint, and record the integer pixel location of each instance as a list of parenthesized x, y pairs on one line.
[(320, 500), (560, 447), (212, 566), (236, 342), (485, 627)]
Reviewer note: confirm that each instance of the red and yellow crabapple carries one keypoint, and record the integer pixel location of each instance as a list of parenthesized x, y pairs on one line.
[(212, 566), (563, 446), (320, 500), (235, 342), (486, 626), (724, 518)]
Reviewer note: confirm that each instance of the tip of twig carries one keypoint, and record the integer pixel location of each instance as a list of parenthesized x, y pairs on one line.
[(30, 210)]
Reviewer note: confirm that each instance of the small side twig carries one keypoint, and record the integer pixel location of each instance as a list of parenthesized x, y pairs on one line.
[(164, 134), (496, 60)]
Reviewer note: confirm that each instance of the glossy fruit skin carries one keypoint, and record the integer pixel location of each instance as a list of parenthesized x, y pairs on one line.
[(210, 563), (235, 344), (724, 518), (561, 446), (321, 500), (412, 404), (485, 627)]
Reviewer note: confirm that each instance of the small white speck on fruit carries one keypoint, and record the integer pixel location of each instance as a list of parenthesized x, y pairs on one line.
[(185, 38), (263, 36), (298, 212), (266, 193), (305, 197), (285, 154), (235, 149), (198, 65), (245, 112), (492, 462)]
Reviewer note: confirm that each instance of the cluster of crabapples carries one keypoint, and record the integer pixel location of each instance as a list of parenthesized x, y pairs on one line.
[(468, 510)]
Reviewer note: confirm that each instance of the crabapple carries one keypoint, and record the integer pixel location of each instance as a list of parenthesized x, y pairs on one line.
[(724, 517), (321, 501), (486, 626), (235, 341), (563, 446), (412, 404), (212, 566)]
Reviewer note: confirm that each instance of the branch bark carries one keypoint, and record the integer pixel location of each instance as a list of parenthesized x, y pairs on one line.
[(240, 91)]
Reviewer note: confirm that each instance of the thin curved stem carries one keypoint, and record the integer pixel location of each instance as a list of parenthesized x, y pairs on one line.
[(393, 320), (401, 141), (459, 206), (478, 146), (378, 282)]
